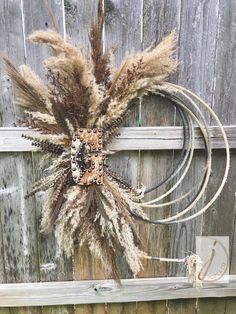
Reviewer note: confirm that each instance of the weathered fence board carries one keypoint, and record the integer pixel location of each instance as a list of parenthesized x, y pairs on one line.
[(78, 17), (130, 138), (107, 291), (19, 239), (53, 263), (155, 26), (220, 219), (196, 53), (159, 19), (123, 30), (17, 216), (206, 39)]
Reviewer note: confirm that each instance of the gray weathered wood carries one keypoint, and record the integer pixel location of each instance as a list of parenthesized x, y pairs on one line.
[(159, 19), (19, 238), (2, 263), (53, 264), (36, 17), (221, 219), (202, 26), (78, 17), (123, 30), (101, 291), (130, 138), (196, 53)]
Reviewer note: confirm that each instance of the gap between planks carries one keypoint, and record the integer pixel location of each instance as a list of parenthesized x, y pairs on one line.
[(130, 138)]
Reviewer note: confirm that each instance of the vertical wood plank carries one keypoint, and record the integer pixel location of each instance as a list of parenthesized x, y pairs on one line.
[(159, 19), (197, 46), (123, 30), (183, 306), (123, 27), (19, 236), (17, 215), (36, 17), (220, 219), (58, 309), (18, 219), (23, 310), (78, 17), (122, 308), (2, 253), (196, 72), (12, 45), (54, 265), (4, 311), (153, 307), (211, 305), (224, 92), (230, 305)]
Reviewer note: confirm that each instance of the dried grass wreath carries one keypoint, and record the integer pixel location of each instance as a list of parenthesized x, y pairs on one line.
[(76, 115)]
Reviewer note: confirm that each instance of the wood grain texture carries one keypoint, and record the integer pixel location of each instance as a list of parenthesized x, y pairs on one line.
[(19, 236), (2, 262), (197, 46), (79, 15), (153, 307), (130, 138), (121, 308), (188, 306), (17, 215), (221, 218), (211, 306), (53, 265), (18, 219), (230, 305), (11, 45), (24, 310), (159, 19), (206, 35), (101, 291), (196, 54), (123, 30)]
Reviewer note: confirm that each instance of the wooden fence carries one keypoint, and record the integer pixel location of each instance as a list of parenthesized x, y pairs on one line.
[(206, 33)]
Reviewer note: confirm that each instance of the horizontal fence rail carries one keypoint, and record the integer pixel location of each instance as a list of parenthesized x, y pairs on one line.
[(130, 138), (107, 291)]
